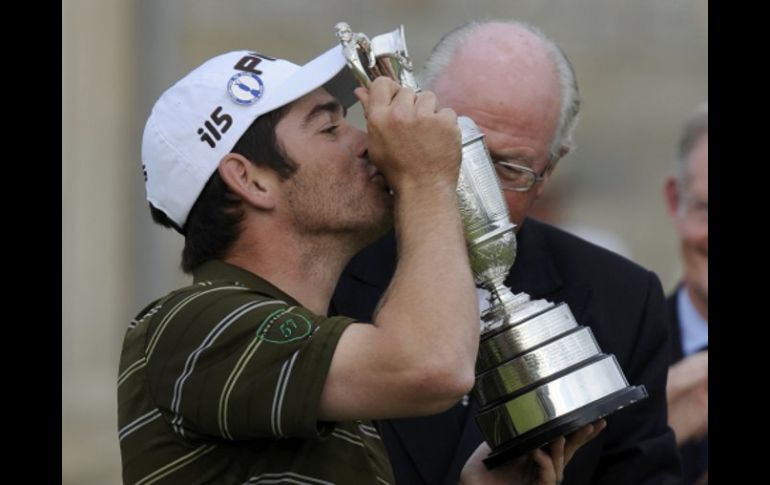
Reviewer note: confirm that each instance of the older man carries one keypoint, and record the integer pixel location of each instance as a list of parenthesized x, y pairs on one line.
[(521, 91), (687, 199)]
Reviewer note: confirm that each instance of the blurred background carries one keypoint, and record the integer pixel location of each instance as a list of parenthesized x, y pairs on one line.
[(641, 68)]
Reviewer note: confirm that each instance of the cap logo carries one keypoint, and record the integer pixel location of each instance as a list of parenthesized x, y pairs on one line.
[(221, 120), (245, 88)]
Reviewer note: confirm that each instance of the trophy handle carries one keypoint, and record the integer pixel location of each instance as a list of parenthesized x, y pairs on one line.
[(357, 49), (383, 55)]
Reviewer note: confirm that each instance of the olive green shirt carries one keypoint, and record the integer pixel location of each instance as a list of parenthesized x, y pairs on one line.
[(220, 382)]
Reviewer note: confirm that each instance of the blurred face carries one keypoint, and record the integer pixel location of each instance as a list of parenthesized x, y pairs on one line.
[(691, 221), (335, 190), (504, 80)]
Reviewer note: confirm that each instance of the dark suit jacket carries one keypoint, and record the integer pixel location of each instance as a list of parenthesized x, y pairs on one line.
[(694, 455), (674, 330), (621, 302)]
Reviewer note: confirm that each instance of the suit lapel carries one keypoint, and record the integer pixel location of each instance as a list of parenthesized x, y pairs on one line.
[(470, 438), (535, 270), (376, 271), (425, 442), (675, 331)]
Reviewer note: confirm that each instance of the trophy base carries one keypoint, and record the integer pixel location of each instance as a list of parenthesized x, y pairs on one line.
[(564, 425)]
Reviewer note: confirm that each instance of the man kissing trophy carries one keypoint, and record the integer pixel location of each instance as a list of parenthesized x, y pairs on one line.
[(539, 374)]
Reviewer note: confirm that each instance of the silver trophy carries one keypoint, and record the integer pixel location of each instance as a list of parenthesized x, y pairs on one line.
[(539, 375)]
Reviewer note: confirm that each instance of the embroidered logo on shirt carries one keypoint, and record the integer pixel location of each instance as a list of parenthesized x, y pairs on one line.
[(283, 326)]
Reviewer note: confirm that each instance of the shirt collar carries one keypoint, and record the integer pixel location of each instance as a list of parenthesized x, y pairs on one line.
[(695, 329), (219, 270)]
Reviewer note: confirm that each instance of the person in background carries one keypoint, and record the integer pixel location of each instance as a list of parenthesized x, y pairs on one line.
[(687, 200), (520, 89)]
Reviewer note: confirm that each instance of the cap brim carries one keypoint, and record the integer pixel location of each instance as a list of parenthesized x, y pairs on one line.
[(341, 86), (329, 70)]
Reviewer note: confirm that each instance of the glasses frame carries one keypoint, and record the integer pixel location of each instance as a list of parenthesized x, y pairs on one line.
[(694, 209), (536, 177)]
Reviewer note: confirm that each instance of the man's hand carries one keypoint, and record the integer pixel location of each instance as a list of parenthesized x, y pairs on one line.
[(687, 393), (411, 139), (535, 468)]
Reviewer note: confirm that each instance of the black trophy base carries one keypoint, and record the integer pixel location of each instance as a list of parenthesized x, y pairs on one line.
[(564, 425)]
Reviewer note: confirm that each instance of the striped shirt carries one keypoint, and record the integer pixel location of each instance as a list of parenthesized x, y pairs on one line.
[(220, 382)]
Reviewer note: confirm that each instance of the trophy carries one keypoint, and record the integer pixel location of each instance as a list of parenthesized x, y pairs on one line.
[(539, 374)]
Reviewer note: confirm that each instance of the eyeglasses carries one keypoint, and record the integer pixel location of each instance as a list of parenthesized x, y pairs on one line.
[(518, 178), (697, 210)]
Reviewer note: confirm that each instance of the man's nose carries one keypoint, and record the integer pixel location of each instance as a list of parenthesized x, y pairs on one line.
[(362, 145)]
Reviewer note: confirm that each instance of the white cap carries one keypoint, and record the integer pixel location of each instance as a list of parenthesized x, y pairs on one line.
[(198, 120)]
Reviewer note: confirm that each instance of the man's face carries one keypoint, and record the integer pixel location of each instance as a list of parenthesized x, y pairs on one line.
[(512, 93), (519, 136), (335, 190), (691, 220)]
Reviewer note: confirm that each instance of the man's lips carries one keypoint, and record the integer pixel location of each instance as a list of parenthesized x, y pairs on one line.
[(378, 178), (375, 174)]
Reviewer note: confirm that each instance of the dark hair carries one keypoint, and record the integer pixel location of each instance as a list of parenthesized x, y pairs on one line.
[(214, 221)]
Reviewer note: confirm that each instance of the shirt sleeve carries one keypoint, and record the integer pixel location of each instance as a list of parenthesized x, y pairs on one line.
[(238, 365)]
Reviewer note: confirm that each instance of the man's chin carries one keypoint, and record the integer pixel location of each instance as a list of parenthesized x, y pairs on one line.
[(376, 230), (699, 288)]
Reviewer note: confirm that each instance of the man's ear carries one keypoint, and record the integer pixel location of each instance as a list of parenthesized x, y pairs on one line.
[(540, 188), (254, 185), (671, 195)]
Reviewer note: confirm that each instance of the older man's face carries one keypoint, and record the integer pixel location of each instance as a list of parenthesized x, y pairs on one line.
[(506, 82), (691, 220)]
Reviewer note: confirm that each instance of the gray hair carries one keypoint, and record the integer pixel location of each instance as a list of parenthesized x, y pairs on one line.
[(443, 53), (696, 125)]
